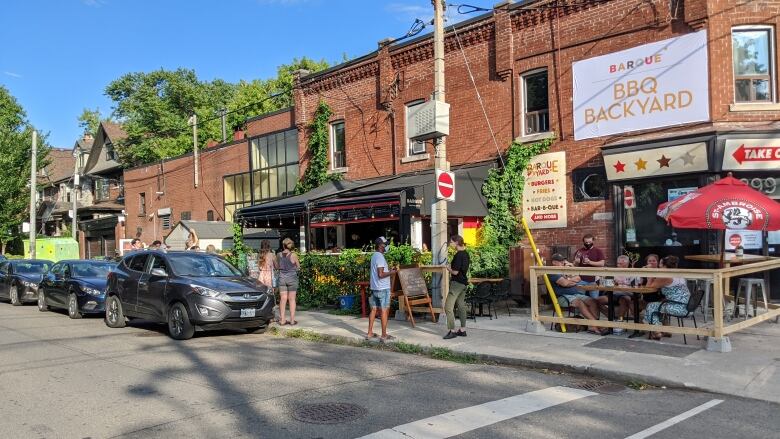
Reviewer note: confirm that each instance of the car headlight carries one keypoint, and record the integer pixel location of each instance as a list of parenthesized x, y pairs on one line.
[(205, 292), (31, 285), (91, 291)]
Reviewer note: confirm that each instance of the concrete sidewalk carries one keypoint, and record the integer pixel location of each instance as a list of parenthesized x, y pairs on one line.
[(751, 370)]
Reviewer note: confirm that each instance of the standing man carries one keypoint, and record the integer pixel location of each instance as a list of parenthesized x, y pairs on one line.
[(458, 282), (380, 290), (589, 256)]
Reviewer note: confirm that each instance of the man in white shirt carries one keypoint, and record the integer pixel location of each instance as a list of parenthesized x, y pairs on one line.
[(380, 290)]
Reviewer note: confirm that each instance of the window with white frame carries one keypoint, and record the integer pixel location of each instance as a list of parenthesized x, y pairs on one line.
[(413, 147), (752, 50), (338, 156), (536, 109)]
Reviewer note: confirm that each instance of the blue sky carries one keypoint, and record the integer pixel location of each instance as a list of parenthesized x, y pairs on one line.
[(58, 55)]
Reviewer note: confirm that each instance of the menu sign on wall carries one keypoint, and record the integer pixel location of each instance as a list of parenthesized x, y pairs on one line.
[(751, 154), (649, 86), (544, 195)]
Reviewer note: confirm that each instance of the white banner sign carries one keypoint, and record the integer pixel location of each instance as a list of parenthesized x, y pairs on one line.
[(544, 194), (748, 239), (650, 86), (751, 154)]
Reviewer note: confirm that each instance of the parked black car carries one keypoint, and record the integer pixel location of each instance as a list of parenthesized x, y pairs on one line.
[(19, 279), (186, 290), (78, 286)]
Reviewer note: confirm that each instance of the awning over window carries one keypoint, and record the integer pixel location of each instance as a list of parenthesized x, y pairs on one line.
[(408, 190)]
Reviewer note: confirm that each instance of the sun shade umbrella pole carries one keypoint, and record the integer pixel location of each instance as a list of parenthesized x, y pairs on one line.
[(546, 279)]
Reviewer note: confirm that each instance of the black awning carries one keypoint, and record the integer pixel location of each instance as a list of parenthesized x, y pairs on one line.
[(418, 188)]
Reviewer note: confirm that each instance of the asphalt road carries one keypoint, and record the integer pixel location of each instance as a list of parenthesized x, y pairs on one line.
[(62, 378)]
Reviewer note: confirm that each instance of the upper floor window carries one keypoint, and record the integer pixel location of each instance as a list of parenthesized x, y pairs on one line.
[(752, 53), (142, 203), (110, 152), (338, 157), (101, 189), (413, 147), (274, 163), (536, 109)]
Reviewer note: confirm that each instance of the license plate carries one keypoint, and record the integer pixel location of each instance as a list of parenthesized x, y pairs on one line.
[(248, 312)]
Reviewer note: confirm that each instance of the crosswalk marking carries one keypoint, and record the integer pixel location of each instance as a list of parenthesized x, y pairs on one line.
[(677, 419), (470, 418)]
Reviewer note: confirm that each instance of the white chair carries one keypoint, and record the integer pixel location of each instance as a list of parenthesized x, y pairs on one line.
[(746, 286)]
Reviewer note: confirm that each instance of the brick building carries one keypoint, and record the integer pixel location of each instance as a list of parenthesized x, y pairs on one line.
[(524, 58)]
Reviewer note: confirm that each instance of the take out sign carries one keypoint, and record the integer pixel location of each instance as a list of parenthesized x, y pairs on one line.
[(749, 154)]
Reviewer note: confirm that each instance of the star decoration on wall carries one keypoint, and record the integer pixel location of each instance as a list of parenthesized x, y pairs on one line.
[(640, 164), (663, 161), (687, 158), (620, 167)]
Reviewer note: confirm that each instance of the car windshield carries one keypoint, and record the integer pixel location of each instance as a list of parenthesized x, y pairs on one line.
[(202, 266), (32, 267), (92, 269)]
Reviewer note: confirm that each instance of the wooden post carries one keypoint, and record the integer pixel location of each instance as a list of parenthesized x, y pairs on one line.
[(718, 282), (534, 295)]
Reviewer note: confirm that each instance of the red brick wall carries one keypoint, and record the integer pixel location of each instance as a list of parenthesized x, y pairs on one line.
[(267, 124), (180, 193), (366, 93)]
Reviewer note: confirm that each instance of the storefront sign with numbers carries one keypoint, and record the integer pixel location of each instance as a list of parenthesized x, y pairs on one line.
[(544, 195)]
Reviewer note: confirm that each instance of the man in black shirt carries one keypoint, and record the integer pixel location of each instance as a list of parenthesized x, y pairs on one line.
[(459, 269)]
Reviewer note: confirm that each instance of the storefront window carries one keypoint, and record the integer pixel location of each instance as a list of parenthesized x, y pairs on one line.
[(651, 230)]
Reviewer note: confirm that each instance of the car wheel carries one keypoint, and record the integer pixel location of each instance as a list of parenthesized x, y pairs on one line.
[(73, 307), (115, 317), (42, 306), (14, 293), (179, 325)]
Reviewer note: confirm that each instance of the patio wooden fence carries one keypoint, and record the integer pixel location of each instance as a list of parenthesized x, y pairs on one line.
[(720, 278)]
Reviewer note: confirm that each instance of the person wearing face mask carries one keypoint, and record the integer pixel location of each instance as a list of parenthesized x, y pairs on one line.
[(589, 256)]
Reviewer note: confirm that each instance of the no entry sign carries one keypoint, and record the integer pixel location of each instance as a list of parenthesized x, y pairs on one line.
[(445, 185)]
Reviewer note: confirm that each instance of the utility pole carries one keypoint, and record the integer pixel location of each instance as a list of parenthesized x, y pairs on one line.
[(33, 192), (439, 211), (222, 113), (194, 123)]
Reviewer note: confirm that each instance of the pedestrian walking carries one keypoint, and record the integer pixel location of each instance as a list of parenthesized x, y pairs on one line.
[(265, 262), (458, 269), (380, 290), (288, 266)]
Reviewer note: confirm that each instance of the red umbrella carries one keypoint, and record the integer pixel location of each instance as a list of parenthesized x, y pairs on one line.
[(726, 204)]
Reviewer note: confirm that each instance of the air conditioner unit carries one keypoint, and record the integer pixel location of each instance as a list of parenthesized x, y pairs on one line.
[(429, 120)]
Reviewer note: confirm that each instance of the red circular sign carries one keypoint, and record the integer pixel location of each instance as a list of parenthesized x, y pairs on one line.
[(445, 185), (735, 240)]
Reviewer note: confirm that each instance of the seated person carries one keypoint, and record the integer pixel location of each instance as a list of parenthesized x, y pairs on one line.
[(623, 299), (568, 295), (675, 297)]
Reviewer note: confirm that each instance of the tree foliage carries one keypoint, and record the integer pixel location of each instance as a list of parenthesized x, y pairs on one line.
[(89, 120), (155, 107), (316, 173), (15, 153), (503, 190)]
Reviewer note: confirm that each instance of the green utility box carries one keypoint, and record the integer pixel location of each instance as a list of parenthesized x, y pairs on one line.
[(53, 249)]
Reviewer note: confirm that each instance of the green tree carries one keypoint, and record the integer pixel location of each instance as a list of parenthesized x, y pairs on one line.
[(89, 120), (155, 107), (15, 152), (256, 97)]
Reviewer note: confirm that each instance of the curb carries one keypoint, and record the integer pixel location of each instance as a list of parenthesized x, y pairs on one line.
[(622, 377)]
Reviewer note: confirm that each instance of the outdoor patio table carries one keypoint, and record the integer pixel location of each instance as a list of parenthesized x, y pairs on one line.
[(729, 259), (363, 286), (610, 290), (479, 280)]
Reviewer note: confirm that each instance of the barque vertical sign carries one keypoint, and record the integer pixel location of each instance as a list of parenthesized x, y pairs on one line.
[(544, 194)]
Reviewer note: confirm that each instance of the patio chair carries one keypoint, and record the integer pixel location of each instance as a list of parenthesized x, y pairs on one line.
[(693, 303), (483, 295), (501, 292)]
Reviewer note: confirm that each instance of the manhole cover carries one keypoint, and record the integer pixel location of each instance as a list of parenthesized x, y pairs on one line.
[(599, 386), (328, 413)]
